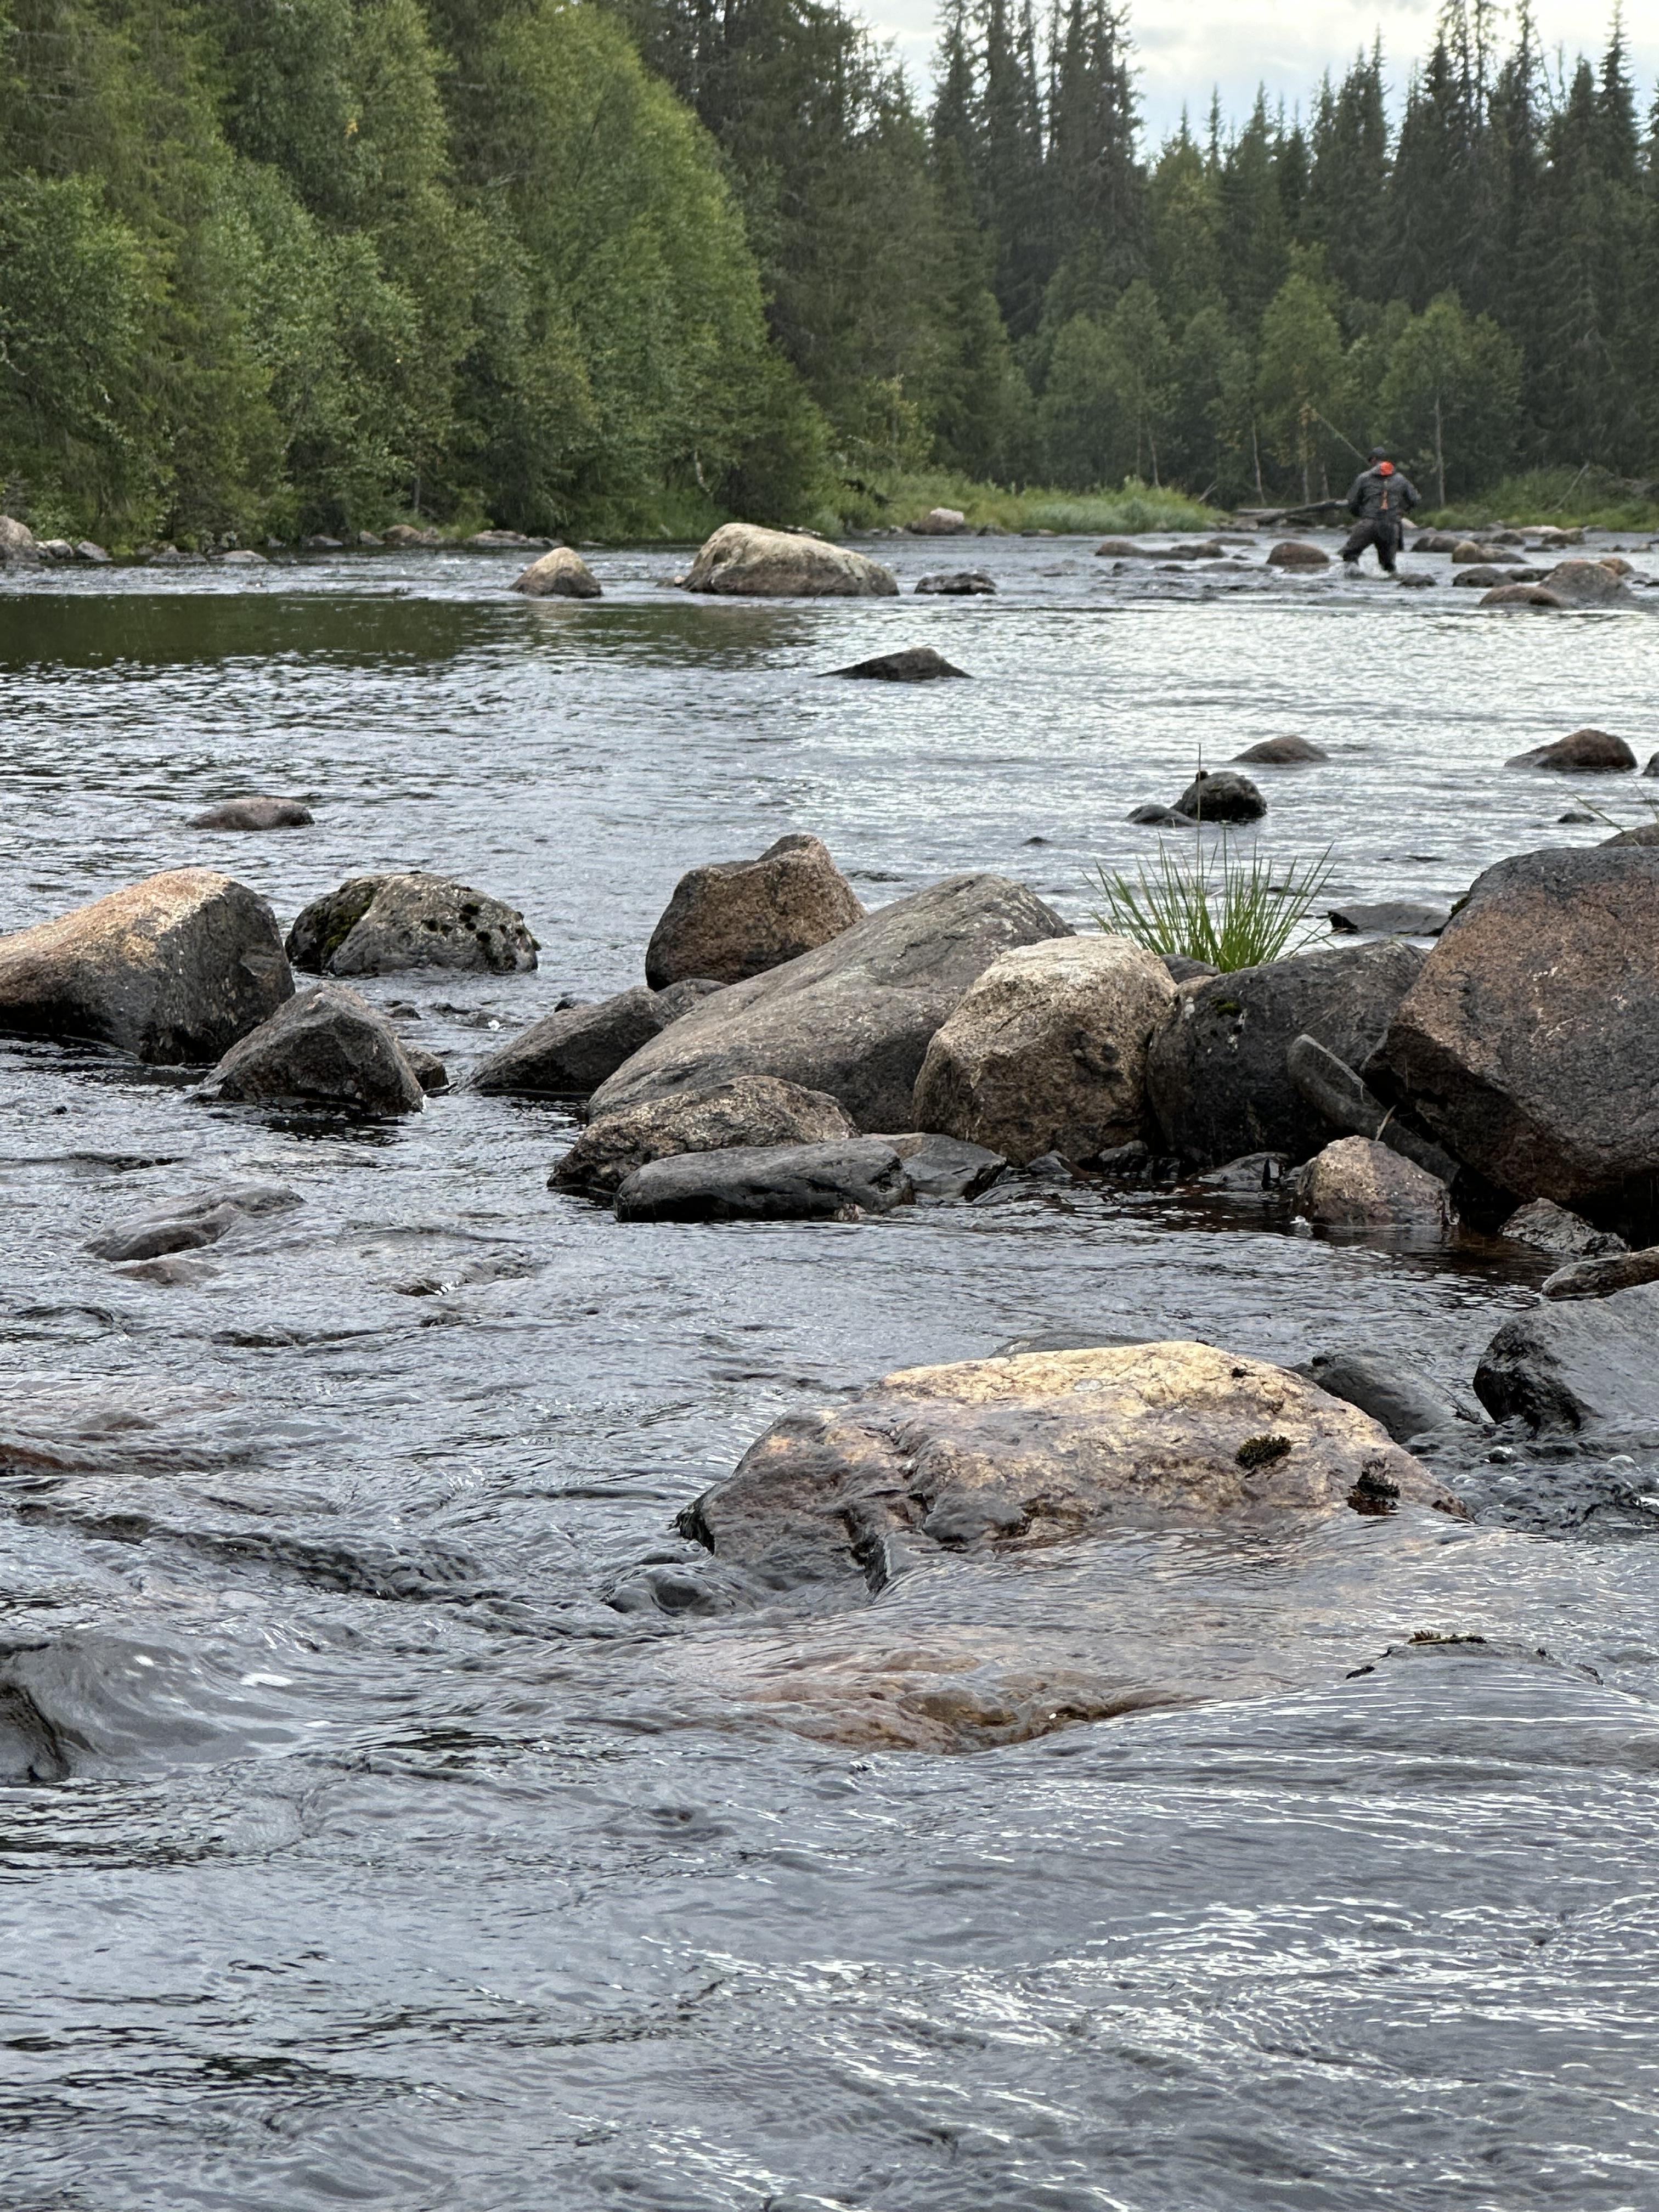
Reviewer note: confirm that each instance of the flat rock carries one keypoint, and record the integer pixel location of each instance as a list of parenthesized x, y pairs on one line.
[(743, 561), (172, 970), (382, 925), (327, 1048), (260, 813), (1596, 1279), (1042, 1448), (1577, 1364), (1407, 1406), (1529, 1042), (1048, 1050), (1550, 1228), (563, 574), (956, 584), (1217, 1078), (753, 1111), (1356, 1183), (568, 1055), (775, 1182), (1391, 918), (189, 1224), (945, 1168), (853, 1017), (912, 664), (1123, 548), (1282, 753), (733, 918), (1221, 796), (1583, 751)]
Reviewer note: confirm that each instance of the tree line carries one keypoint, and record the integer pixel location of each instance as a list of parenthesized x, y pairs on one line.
[(281, 265)]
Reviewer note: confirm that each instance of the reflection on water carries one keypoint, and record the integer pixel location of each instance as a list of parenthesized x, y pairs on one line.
[(412, 1823)]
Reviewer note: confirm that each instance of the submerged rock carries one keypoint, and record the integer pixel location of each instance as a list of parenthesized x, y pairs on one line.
[(326, 1048), (753, 1111), (1576, 1365), (1282, 753), (1391, 918), (1045, 1449), (775, 1183), (1151, 815), (914, 664), (1293, 553), (853, 1017), (188, 1225), (1585, 750), (1406, 1406), (743, 561), (563, 574), (1048, 1050), (1529, 1042), (732, 919), (172, 970), (1217, 1075), (382, 925), (1222, 796), (1523, 595), (1356, 1183), (956, 584), (260, 813)]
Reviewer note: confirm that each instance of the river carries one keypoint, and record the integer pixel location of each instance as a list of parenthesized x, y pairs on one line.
[(371, 1838)]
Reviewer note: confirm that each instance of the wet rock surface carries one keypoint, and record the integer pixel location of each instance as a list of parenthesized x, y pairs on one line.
[(1586, 751), (1577, 1364), (563, 574), (753, 1111), (256, 813), (945, 1168), (1044, 1449), (329, 1048), (188, 1225), (1224, 796), (911, 664), (569, 1054), (1282, 753), (1405, 1404), (732, 919), (1217, 1078), (854, 1018), (1048, 1050), (956, 584), (1550, 1227), (171, 971), (837, 1182), (1529, 1042), (383, 925), (1390, 918), (1356, 1183)]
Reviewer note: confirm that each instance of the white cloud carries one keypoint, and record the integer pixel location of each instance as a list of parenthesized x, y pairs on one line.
[(1187, 47)]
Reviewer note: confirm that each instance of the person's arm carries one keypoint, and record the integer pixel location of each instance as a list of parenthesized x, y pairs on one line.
[(1356, 497), (1413, 498)]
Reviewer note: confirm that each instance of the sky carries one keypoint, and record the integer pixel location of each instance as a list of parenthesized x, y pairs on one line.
[(1187, 47)]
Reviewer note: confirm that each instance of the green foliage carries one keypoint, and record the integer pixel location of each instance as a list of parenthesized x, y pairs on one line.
[(1453, 386), (1215, 905)]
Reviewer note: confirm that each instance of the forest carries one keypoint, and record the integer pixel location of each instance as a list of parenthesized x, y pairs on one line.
[(627, 267)]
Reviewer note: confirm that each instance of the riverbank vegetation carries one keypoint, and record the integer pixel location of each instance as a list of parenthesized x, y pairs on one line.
[(619, 267)]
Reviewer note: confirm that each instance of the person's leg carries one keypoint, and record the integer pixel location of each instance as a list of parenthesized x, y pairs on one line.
[(1358, 538)]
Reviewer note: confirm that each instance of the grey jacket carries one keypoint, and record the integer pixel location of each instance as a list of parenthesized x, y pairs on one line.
[(1375, 495)]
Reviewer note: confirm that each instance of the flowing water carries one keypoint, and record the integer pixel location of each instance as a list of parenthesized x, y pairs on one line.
[(395, 1817)]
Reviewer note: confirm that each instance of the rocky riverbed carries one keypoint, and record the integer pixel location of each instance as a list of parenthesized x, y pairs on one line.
[(416, 1793)]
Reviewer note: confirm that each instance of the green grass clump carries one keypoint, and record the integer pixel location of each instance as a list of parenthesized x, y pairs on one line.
[(1589, 498), (898, 500), (1215, 906)]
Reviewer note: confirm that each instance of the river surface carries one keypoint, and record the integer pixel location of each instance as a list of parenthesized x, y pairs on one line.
[(382, 1830)]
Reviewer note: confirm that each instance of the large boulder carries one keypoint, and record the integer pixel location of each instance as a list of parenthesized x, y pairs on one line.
[(1296, 553), (1523, 595), (732, 919), (1043, 1448), (1529, 1042), (381, 924), (939, 522), (753, 1111), (1405, 1404), (911, 664), (1048, 1051), (563, 574), (328, 1047), (1224, 796), (1282, 753), (1585, 751), (1356, 1183), (172, 970), (1216, 1075), (1577, 1364), (17, 541), (1587, 584), (742, 561), (853, 1017), (775, 1183), (568, 1055)]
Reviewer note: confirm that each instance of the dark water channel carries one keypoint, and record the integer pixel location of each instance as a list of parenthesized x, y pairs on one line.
[(386, 1844)]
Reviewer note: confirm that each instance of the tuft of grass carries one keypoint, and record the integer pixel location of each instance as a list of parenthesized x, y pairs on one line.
[(1215, 906), (896, 501)]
